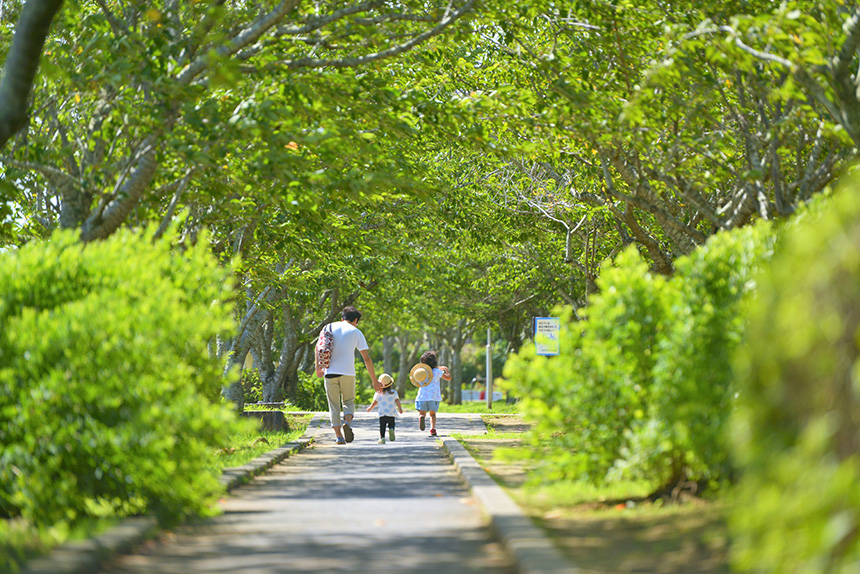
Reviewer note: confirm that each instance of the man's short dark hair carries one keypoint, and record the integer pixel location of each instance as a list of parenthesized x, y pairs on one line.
[(350, 314)]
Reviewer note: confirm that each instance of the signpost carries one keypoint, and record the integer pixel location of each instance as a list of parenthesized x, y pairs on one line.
[(489, 370), (546, 335)]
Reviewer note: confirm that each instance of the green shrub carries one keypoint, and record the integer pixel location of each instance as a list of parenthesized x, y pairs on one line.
[(693, 379), (797, 425), (584, 402), (109, 403), (253, 385), (310, 394), (642, 386)]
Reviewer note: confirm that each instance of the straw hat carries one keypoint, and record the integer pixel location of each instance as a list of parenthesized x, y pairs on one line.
[(386, 380), (421, 375)]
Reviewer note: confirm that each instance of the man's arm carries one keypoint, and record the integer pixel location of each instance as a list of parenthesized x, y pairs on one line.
[(368, 362)]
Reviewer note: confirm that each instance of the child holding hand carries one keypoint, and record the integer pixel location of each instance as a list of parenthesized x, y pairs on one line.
[(389, 405)]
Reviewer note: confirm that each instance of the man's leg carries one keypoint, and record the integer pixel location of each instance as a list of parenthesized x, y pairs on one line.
[(347, 391), (332, 393)]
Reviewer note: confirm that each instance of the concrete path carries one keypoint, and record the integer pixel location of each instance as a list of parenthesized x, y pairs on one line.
[(363, 507)]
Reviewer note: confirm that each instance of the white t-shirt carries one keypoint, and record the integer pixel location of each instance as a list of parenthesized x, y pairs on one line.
[(387, 406), (433, 391), (347, 339)]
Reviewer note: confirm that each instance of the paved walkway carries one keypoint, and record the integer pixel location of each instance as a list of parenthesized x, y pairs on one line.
[(363, 507)]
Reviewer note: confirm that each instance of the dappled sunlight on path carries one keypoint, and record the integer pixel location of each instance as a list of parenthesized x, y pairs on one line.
[(362, 507)]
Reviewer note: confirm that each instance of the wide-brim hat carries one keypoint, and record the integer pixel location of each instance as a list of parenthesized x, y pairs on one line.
[(421, 375), (386, 380)]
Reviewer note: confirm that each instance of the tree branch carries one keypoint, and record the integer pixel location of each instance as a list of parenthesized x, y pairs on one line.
[(389, 53), (843, 60), (22, 63), (102, 223), (244, 38)]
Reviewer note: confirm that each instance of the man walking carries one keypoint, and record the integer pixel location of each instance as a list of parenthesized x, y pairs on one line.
[(340, 374)]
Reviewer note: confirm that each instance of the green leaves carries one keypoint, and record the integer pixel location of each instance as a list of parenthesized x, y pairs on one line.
[(796, 424), (643, 385), (109, 402)]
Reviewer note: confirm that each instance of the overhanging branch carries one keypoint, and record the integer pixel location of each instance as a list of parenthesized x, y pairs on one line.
[(22, 63)]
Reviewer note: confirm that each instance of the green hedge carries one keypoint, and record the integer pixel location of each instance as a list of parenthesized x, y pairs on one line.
[(797, 427), (109, 403), (311, 393), (643, 384)]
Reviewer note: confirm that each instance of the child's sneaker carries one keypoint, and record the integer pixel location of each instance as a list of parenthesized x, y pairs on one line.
[(421, 422), (391, 435), (340, 440), (433, 432), (381, 440)]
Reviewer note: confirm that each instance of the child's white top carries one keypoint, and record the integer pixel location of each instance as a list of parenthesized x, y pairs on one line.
[(433, 391), (387, 406)]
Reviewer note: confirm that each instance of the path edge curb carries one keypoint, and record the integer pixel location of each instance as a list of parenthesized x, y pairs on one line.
[(87, 556), (532, 550)]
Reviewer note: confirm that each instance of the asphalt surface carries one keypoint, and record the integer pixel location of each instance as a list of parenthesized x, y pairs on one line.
[(362, 507)]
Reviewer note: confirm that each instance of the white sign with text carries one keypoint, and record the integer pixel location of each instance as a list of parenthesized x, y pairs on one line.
[(546, 335)]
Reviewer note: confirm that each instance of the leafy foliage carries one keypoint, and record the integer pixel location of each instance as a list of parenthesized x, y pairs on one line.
[(108, 398), (693, 382), (797, 428), (623, 399), (311, 393)]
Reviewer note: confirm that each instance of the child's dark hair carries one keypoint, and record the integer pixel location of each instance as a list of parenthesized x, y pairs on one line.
[(389, 389), (429, 359)]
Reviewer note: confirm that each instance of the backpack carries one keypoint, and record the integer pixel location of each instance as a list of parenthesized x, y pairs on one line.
[(325, 343)]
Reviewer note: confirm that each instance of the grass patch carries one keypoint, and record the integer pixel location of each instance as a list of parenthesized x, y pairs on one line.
[(491, 434), (479, 408), (569, 494), (607, 528), (245, 447), (285, 407)]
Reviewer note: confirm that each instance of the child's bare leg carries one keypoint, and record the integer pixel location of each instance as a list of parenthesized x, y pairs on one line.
[(421, 419), (432, 420)]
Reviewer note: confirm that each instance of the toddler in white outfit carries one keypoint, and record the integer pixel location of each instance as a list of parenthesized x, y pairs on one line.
[(389, 405)]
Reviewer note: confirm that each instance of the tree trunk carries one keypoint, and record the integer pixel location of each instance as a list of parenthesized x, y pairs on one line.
[(456, 339), (388, 354), (457, 375), (408, 357), (249, 329), (445, 359), (271, 387), (290, 384)]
